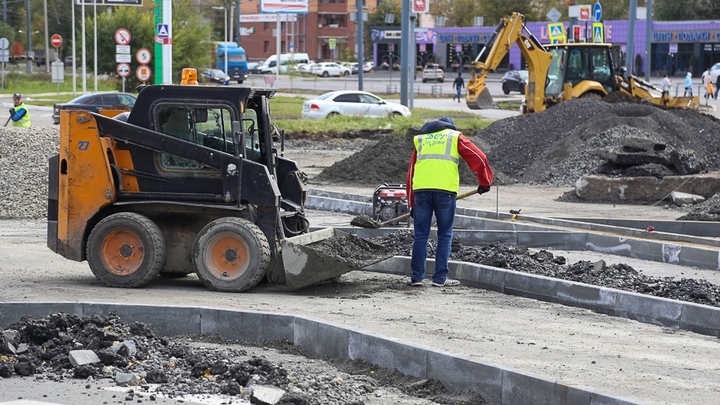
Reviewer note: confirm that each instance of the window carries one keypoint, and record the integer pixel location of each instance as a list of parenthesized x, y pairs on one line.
[(211, 127), (347, 98)]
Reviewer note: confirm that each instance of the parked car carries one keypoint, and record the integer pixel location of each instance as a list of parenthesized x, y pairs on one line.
[(253, 67), (433, 72), (95, 102), (326, 69), (304, 67), (514, 80), (353, 66), (214, 76), (368, 66), (353, 103)]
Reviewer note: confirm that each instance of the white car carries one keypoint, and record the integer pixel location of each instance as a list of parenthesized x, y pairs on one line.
[(304, 67), (352, 103), (327, 69)]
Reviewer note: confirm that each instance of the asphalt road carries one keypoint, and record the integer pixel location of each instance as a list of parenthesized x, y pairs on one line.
[(385, 84)]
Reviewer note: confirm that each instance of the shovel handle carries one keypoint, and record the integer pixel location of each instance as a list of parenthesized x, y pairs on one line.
[(407, 215)]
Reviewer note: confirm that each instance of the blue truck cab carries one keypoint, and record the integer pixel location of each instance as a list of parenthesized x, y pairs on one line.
[(231, 59)]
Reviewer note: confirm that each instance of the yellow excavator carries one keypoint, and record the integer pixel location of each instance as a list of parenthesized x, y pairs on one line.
[(560, 72)]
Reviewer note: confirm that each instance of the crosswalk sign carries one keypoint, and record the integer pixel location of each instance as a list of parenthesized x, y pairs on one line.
[(163, 31), (598, 33), (556, 33)]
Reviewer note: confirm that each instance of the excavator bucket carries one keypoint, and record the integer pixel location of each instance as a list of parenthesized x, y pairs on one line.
[(325, 254), (483, 101)]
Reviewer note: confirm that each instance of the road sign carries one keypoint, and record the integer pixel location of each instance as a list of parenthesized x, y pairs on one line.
[(332, 42), (4, 43), (420, 6), (584, 13), (554, 15), (123, 58), (122, 36), (598, 32), (143, 56), (163, 31), (143, 73), (123, 69), (122, 48), (56, 40), (597, 12)]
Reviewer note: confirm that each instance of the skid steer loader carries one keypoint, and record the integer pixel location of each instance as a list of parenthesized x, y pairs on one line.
[(190, 181)]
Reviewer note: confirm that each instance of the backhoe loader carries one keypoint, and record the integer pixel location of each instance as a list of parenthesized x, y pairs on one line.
[(190, 181), (560, 72)]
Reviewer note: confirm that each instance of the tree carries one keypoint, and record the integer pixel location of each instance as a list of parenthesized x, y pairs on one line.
[(190, 38), (673, 10)]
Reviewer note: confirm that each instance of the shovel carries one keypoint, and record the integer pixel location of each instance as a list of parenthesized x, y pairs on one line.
[(365, 221)]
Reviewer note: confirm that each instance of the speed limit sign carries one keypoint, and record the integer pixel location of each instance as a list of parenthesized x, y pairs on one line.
[(143, 73)]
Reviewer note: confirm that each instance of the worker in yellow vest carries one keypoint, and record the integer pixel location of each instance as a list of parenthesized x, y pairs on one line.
[(432, 184), (19, 114)]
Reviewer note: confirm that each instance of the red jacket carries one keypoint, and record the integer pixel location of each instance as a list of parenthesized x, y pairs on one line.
[(473, 156)]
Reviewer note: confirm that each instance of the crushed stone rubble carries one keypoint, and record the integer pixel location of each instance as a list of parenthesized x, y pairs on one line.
[(103, 351), (544, 263)]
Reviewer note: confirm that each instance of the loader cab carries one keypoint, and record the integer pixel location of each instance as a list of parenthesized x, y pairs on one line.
[(584, 66)]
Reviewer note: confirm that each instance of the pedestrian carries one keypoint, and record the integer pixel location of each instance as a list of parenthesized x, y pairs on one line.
[(688, 85), (433, 181), (707, 83), (19, 114), (717, 86), (458, 85), (666, 84)]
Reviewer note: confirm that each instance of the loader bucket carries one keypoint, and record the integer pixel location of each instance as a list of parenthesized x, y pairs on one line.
[(325, 254), (483, 101)]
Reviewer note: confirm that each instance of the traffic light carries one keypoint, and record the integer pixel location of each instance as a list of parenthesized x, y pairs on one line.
[(576, 33)]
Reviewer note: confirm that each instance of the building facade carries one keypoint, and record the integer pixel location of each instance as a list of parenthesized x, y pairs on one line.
[(327, 32), (675, 48)]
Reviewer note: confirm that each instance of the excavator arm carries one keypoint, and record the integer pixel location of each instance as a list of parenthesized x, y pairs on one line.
[(511, 30)]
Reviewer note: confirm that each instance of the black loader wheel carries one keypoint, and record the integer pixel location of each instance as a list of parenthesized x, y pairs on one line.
[(126, 250), (231, 255)]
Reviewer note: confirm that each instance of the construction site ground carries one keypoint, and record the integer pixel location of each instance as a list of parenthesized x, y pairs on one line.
[(645, 363), (616, 356)]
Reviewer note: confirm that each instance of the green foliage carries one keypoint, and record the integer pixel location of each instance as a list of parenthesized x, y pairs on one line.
[(40, 88), (674, 10), (286, 113)]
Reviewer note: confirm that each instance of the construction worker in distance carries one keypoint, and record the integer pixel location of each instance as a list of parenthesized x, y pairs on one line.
[(19, 113), (432, 184)]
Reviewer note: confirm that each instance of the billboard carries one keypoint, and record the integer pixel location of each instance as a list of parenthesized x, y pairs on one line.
[(284, 6)]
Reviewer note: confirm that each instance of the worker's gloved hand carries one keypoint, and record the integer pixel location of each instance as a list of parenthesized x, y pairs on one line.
[(12, 111), (483, 189)]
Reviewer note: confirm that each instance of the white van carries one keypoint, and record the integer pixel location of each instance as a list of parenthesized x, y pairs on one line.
[(270, 64)]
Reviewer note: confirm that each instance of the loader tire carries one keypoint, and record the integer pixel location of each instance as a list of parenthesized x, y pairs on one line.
[(126, 250), (231, 255)]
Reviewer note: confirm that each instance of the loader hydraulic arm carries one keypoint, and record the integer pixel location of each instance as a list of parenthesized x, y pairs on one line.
[(511, 30)]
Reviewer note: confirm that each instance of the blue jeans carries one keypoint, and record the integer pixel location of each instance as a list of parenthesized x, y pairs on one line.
[(442, 204)]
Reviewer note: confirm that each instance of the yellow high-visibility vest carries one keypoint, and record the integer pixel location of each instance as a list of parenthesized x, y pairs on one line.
[(437, 161)]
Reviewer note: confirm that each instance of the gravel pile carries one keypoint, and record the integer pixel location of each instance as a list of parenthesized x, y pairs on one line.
[(708, 210), (24, 154), (544, 263), (554, 147), (62, 347)]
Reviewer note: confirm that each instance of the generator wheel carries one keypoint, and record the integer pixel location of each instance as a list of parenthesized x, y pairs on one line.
[(231, 255), (126, 250)]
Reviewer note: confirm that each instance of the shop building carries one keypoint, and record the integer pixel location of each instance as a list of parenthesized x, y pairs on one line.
[(676, 47)]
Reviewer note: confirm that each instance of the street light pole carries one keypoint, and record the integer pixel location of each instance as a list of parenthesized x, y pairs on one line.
[(226, 34), (28, 65)]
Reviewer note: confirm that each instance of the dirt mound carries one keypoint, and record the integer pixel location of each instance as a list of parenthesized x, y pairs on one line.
[(553, 147)]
